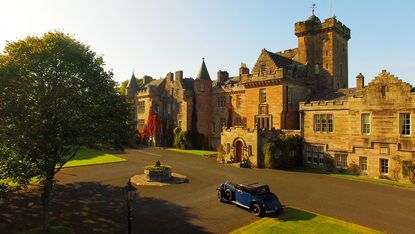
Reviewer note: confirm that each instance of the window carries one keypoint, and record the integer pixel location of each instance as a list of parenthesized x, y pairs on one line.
[(383, 91), (327, 53), (327, 66), (263, 122), (221, 101), (317, 123), (330, 123), (315, 154), (250, 150), (341, 160), (141, 107), (238, 101), (405, 123), (384, 166), (406, 169), (323, 123), (363, 164), (263, 68), (289, 95), (140, 124), (262, 96), (365, 123)]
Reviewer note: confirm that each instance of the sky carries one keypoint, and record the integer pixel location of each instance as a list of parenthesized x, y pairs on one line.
[(154, 37)]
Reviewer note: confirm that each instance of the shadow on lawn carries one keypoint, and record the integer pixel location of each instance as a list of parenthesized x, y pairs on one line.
[(292, 214), (95, 208)]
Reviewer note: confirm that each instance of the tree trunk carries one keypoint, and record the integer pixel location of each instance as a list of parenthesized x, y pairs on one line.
[(45, 197)]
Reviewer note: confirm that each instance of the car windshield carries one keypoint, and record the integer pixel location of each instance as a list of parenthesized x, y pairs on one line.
[(262, 190)]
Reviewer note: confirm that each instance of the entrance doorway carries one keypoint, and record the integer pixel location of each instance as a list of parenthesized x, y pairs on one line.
[(238, 151)]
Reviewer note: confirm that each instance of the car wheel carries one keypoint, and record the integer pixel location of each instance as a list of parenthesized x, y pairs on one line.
[(228, 195), (257, 209), (220, 196)]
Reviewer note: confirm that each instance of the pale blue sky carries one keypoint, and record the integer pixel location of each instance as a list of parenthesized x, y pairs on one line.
[(154, 37)]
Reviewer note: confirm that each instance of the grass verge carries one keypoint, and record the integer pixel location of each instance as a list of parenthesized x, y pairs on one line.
[(361, 178), (195, 152), (294, 220)]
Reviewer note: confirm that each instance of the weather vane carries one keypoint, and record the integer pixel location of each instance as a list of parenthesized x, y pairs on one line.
[(313, 7)]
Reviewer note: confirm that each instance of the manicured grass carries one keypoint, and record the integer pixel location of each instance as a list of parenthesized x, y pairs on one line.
[(361, 178), (195, 152), (53, 230), (294, 220), (374, 180), (82, 158), (91, 157)]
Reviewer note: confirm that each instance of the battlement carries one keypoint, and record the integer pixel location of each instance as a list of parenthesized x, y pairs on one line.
[(310, 27), (325, 104)]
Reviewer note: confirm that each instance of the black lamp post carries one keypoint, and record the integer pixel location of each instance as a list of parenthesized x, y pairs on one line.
[(129, 196)]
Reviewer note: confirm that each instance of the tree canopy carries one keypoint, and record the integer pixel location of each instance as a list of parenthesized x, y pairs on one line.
[(55, 97)]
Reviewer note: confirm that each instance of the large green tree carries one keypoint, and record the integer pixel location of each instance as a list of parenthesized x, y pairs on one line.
[(55, 97)]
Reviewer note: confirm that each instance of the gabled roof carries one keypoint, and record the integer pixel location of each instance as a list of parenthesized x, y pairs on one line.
[(279, 60), (203, 72)]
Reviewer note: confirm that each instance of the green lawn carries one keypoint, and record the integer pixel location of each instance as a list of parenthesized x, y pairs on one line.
[(361, 178), (294, 220), (374, 180), (82, 158), (195, 152), (91, 157)]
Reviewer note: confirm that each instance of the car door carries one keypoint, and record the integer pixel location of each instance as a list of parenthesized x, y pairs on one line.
[(243, 196)]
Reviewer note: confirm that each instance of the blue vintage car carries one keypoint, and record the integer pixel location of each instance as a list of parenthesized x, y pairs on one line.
[(253, 196)]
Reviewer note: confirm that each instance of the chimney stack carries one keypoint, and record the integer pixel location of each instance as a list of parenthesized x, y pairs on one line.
[(222, 76), (360, 81), (243, 70), (179, 75)]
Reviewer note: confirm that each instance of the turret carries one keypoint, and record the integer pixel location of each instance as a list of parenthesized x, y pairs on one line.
[(132, 87)]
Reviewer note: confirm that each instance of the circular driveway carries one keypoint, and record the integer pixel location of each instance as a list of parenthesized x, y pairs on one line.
[(89, 198)]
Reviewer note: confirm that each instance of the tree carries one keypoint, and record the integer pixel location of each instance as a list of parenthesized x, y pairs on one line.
[(55, 98)]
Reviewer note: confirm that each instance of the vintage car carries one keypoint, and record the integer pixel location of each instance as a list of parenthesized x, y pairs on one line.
[(253, 196)]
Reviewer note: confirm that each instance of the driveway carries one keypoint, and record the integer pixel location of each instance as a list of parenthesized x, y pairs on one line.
[(89, 198)]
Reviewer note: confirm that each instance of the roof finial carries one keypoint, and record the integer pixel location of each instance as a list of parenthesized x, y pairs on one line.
[(203, 59), (313, 7), (133, 71)]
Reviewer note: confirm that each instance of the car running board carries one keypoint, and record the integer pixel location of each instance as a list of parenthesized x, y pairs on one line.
[(240, 204)]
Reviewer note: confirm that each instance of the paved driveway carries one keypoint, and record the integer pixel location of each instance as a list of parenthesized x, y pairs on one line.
[(89, 199)]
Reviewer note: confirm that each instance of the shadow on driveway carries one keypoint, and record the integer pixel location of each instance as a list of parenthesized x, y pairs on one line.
[(95, 208)]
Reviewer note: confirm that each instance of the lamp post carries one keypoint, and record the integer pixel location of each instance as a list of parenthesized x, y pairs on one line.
[(129, 196)]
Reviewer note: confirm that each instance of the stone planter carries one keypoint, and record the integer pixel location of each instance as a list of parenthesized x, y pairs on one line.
[(158, 174)]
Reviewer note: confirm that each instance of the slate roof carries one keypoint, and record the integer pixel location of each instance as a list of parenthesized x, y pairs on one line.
[(187, 83), (203, 72), (334, 95), (279, 60), (132, 83)]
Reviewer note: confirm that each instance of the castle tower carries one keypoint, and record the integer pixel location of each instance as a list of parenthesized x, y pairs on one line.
[(132, 87), (203, 96), (323, 46)]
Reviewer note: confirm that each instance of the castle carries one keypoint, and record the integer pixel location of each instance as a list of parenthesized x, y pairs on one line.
[(304, 90)]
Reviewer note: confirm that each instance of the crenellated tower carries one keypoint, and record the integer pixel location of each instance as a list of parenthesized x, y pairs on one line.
[(323, 46)]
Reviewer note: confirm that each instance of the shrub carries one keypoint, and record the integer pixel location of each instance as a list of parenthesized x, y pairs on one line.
[(268, 150)]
